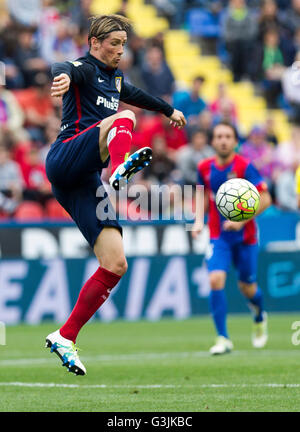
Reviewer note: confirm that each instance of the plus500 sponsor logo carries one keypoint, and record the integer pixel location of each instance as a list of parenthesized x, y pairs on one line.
[(112, 104)]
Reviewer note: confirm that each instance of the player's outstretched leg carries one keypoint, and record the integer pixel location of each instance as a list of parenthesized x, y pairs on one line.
[(218, 308), (67, 351), (115, 139), (108, 248)]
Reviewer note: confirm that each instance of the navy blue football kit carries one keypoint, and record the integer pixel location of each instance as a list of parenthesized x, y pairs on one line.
[(73, 163)]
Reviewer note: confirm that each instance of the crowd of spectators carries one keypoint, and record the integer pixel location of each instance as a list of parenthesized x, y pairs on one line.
[(32, 38)]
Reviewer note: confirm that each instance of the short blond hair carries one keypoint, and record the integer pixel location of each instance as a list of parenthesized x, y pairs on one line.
[(102, 25)]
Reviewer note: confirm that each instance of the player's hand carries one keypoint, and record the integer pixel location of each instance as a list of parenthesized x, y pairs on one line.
[(60, 85), (233, 226), (197, 228), (177, 119)]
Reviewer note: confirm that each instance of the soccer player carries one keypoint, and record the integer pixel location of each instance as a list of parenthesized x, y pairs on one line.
[(92, 131), (298, 186), (231, 241)]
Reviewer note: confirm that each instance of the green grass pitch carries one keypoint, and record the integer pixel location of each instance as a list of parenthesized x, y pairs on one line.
[(153, 366)]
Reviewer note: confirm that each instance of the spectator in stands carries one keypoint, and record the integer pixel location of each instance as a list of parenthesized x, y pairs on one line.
[(204, 121), (191, 103), (47, 27), (37, 105), (157, 75), (160, 170), (11, 182), (285, 191), (11, 115), (221, 100), (37, 186), (81, 14), (150, 126), (51, 131), (270, 62), (288, 153), (172, 10), (292, 16), (7, 205), (132, 74), (261, 153), (239, 34), (8, 49), (271, 135), (269, 18), (291, 88), (64, 47), (28, 56), (189, 156)]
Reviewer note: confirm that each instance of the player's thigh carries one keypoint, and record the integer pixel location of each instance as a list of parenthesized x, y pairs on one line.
[(110, 251), (85, 204), (105, 128), (70, 161), (245, 259), (218, 260)]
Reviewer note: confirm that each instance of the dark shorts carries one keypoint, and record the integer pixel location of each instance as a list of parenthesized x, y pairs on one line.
[(73, 167), (243, 256)]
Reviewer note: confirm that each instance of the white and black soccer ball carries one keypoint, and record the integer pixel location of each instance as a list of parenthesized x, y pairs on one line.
[(237, 199)]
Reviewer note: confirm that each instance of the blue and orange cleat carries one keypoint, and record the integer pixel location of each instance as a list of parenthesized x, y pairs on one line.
[(133, 164)]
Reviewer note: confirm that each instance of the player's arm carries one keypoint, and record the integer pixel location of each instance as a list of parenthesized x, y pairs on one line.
[(137, 97), (65, 72)]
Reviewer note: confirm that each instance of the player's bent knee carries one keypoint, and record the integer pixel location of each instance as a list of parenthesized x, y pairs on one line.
[(248, 290), (117, 266), (217, 281), (128, 114)]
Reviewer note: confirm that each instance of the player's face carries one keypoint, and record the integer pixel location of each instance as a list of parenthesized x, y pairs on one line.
[(224, 141), (112, 48)]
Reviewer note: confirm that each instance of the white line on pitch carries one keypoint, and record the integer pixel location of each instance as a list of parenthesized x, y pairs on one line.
[(144, 356), (144, 386)]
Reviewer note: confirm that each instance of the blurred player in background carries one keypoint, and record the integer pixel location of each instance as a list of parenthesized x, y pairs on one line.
[(231, 241), (298, 186), (91, 132)]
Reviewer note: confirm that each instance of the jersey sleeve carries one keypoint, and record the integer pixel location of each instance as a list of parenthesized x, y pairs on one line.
[(79, 72), (298, 181), (254, 177), (137, 97)]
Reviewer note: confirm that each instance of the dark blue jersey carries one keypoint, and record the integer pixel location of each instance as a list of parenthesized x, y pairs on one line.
[(95, 92)]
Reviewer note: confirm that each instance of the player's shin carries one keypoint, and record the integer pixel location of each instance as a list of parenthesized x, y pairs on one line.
[(119, 141), (92, 295), (218, 308), (256, 305)]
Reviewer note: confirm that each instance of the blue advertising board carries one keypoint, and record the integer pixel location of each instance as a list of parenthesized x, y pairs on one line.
[(154, 287)]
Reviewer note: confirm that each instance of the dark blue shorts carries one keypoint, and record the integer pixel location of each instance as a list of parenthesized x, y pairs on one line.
[(73, 167), (243, 256)]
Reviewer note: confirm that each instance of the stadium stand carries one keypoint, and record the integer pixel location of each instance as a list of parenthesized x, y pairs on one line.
[(29, 118)]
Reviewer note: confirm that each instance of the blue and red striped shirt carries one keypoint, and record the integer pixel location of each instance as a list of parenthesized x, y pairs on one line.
[(211, 176)]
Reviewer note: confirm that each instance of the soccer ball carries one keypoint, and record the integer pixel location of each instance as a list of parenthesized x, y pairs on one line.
[(237, 199)]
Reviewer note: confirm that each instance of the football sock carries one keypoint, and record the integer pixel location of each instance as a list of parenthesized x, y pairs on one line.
[(218, 308), (256, 304), (119, 141), (92, 295)]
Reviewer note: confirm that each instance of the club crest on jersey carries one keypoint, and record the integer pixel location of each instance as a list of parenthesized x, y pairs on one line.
[(231, 175), (118, 81)]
